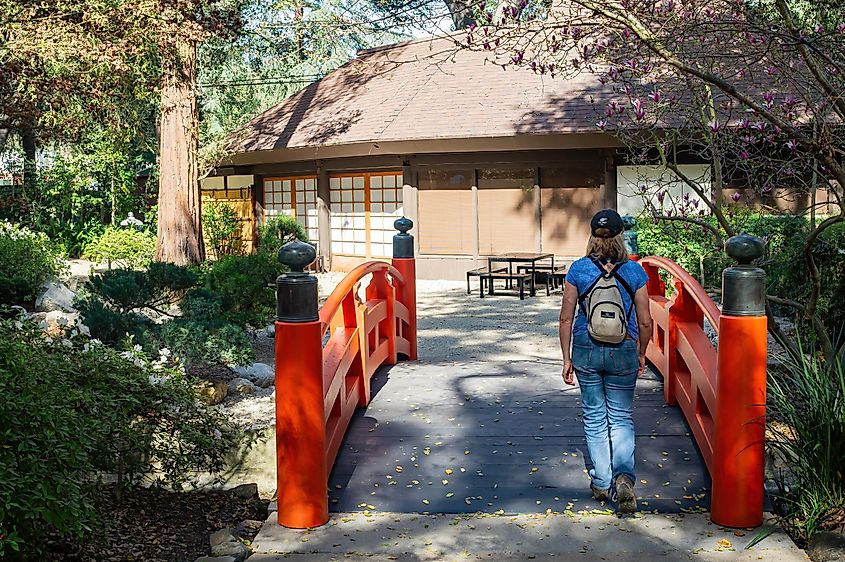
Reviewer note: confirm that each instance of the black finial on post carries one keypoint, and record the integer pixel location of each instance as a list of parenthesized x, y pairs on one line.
[(403, 243), (744, 285), (296, 291)]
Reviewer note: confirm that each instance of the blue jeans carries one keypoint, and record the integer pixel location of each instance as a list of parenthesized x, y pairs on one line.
[(607, 375)]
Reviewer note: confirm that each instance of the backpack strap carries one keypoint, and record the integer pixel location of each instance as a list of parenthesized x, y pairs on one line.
[(583, 296), (625, 285)]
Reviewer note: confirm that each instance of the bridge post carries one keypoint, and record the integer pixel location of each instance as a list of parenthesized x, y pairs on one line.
[(738, 451), (301, 471), (404, 262)]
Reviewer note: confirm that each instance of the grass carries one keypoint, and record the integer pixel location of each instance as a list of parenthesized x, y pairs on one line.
[(808, 399)]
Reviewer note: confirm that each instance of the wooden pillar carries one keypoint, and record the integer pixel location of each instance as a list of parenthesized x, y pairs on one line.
[(476, 244), (538, 218), (410, 198), (608, 188), (324, 215)]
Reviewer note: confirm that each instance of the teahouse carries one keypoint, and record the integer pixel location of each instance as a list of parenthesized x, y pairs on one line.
[(483, 160)]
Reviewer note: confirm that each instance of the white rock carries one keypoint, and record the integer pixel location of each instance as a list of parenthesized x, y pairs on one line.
[(240, 386), (56, 297), (260, 374)]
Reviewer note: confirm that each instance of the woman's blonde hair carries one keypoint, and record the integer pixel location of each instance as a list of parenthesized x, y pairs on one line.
[(607, 248)]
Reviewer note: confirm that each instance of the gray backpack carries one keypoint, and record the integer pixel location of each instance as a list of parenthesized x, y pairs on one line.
[(602, 304)]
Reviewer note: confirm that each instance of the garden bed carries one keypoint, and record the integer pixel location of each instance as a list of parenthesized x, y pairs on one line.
[(161, 526)]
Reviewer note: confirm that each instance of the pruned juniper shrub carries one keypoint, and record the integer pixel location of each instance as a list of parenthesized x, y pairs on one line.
[(117, 303), (807, 409), (75, 411), (277, 232), (121, 302)]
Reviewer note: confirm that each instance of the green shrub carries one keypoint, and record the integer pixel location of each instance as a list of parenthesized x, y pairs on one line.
[(27, 259), (246, 286), (114, 302), (277, 232), (222, 228), (195, 342), (807, 404), (696, 250), (127, 248), (118, 303), (74, 411)]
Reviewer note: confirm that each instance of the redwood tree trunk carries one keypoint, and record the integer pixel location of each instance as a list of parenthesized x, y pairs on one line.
[(179, 230), (30, 169)]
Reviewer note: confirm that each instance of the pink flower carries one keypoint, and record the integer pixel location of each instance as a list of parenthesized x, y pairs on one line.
[(602, 124), (654, 95), (714, 126), (792, 145), (736, 196)]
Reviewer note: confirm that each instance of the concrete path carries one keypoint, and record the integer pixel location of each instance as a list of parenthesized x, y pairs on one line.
[(557, 537)]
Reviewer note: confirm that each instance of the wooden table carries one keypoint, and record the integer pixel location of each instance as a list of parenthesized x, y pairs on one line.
[(511, 258)]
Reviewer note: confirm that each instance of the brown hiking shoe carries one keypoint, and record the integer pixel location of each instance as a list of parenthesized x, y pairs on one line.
[(600, 494), (625, 494)]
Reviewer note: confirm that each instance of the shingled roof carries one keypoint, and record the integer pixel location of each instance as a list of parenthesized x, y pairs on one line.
[(423, 90)]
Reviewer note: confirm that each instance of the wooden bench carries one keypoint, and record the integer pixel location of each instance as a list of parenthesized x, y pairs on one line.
[(482, 271), (520, 278), (558, 276)]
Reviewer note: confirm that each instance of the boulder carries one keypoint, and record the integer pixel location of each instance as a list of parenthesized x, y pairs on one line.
[(57, 321), (76, 282), (827, 547), (212, 392), (56, 297), (260, 374), (248, 526), (240, 386), (225, 543), (246, 491)]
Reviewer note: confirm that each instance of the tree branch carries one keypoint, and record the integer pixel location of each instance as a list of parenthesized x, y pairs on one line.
[(811, 63)]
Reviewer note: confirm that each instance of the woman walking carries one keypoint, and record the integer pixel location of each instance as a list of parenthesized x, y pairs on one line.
[(607, 290)]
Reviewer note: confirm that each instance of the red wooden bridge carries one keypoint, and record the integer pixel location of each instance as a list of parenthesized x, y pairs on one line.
[(326, 362)]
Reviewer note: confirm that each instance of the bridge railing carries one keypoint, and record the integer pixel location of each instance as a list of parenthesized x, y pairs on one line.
[(720, 388), (324, 363)]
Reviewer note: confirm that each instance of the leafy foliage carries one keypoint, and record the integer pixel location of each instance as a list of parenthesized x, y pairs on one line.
[(696, 249), (74, 411), (807, 403), (197, 342), (246, 286), (222, 228), (27, 259), (128, 248)]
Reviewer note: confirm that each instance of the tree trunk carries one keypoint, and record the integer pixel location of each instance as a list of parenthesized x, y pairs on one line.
[(30, 170), (461, 13), (179, 230)]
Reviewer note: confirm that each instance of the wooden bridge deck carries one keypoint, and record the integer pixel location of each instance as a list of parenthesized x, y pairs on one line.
[(464, 437)]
